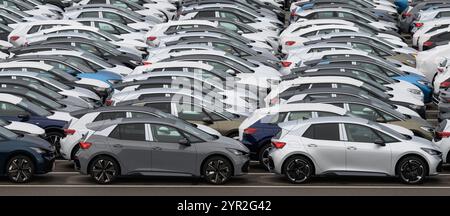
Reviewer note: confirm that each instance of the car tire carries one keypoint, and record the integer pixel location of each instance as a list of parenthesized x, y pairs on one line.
[(74, 151), (104, 170), (298, 169), (20, 169), (217, 170), (412, 170), (263, 155), (54, 139)]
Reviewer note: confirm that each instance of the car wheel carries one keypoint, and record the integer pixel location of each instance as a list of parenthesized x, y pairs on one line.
[(217, 170), (20, 169), (298, 169), (104, 170), (263, 155), (54, 139), (412, 170)]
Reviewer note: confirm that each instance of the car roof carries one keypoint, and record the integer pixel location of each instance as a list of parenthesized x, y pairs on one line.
[(114, 108), (335, 119), (101, 125)]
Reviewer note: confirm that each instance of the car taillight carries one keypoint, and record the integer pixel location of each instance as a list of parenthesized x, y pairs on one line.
[(445, 84), (14, 38), (151, 38), (418, 24), (274, 101), (146, 63), (289, 43), (109, 102), (278, 144), (443, 134), (250, 130), (407, 15), (85, 145), (428, 43), (286, 63), (69, 131)]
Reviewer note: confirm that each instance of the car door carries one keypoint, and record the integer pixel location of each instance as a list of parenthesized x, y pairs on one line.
[(363, 154), (168, 155), (323, 143), (131, 144)]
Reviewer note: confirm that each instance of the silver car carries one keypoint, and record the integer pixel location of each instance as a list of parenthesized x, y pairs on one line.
[(351, 146), (158, 147)]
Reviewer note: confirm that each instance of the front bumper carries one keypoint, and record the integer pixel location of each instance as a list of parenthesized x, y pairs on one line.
[(46, 163)]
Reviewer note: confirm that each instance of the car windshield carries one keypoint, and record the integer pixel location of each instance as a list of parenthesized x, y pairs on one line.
[(196, 132), (97, 60), (53, 82), (47, 91), (4, 122), (35, 108), (7, 133)]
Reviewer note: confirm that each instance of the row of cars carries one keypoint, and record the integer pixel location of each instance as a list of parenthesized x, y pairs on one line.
[(121, 88)]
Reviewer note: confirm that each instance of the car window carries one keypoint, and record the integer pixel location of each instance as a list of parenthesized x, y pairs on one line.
[(90, 48), (33, 29), (190, 112), (361, 133), (88, 14), (386, 138), (165, 134), (106, 27), (134, 132), (142, 115), (205, 14), (324, 15), (316, 131), (164, 106), (326, 114), (63, 67), (443, 14), (110, 115), (364, 112), (300, 115), (7, 109), (275, 118)]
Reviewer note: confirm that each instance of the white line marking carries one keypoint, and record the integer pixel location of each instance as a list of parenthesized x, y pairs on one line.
[(230, 186)]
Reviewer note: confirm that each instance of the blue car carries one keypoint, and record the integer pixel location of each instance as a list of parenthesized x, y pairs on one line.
[(23, 156), (107, 77), (420, 82)]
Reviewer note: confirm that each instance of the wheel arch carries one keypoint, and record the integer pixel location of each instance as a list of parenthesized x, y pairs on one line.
[(303, 154), (409, 154), (106, 154), (219, 155), (15, 153)]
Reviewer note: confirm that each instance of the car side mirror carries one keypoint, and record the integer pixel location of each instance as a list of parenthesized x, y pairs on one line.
[(184, 142), (380, 142), (231, 72), (207, 120), (240, 32), (23, 117)]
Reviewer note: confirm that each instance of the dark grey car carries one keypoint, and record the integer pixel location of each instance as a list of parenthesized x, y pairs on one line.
[(158, 147)]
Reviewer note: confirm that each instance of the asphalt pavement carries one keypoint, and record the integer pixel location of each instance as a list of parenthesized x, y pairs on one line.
[(64, 181)]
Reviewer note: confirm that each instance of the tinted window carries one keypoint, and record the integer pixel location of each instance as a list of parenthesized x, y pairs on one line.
[(165, 107), (7, 109), (360, 133), (110, 115), (163, 133), (205, 14), (190, 112), (33, 29), (300, 115), (326, 114), (88, 14), (141, 115), (135, 132), (328, 131), (364, 112)]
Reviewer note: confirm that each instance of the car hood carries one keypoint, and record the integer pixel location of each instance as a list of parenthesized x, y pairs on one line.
[(101, 75), (423, 143), (37, 142), (82, 92)]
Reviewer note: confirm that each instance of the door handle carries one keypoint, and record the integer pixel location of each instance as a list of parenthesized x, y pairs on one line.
[(351, 148), (157, 148), (312, 145), (117, 145)]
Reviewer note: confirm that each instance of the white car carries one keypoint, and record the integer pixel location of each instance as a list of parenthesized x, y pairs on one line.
[(113, 27), (132, 20), (18, 37), (437, 13), (428, 40), (442, 140), (377, 6), (22, 127), (351, 146), (295, 60), (428, 61), (77, 127), (304, 35), (441, 79), (89, 59), (123, 41), (274, 96), (345, 13), (87, 97), (250, 72), (429, 27), (297, 26), (38, 9)]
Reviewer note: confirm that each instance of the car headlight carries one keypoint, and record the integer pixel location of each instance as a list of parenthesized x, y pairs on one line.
[(411, 62), (236, 152), (425, 128), (431, 151), (38, 150), (415, 91)]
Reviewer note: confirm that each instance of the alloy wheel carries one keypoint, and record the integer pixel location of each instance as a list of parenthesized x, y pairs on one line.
[(265, 157), (298, 170), (217, 171), (104, 171), (412, 171), (20, 169)]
